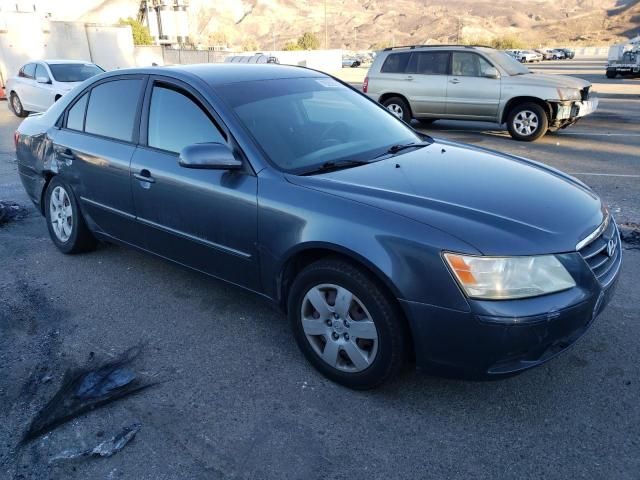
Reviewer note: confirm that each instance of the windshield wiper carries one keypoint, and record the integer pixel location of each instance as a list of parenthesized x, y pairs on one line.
[(393, 149), (332, 166)]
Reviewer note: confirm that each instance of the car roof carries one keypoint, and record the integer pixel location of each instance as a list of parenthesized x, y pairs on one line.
[(437, 47), (56, 61), (225, 73)]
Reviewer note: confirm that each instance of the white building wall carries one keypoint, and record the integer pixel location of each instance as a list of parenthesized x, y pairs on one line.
[(22, 39), (111, 47), (67, 40)]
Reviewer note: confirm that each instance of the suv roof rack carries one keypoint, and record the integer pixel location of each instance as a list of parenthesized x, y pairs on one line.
[(411, 47)]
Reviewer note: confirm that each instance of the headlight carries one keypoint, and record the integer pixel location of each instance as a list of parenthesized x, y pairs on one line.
[(503, 278), (569, 94)]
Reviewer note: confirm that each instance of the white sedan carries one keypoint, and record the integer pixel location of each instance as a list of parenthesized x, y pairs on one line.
[(39, 84)]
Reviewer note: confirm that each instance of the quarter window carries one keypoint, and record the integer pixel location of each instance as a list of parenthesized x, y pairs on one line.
[(28, 71), (75, 117), (176, 121), (112, 109), (396, 63), (465, 64)]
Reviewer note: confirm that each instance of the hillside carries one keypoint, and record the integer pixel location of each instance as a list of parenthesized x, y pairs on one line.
[(358, 24)]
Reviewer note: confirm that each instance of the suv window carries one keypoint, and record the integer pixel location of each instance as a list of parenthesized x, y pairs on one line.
[(112, 109), (396, 63), (75, 117), (176, 121), (41, 71), (466, 64), (28, 71), (429, 63)]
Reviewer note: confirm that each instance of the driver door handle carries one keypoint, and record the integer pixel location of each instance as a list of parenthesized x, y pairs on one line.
[(454, 80), (409, 78), (144, 176)]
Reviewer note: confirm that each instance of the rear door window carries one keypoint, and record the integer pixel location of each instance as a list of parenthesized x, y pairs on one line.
[(41, 72), (176, 121), (112, 109), (429, 63), (396, 63)]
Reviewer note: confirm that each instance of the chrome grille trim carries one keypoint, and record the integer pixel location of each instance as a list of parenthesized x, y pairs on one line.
[(595, 234)]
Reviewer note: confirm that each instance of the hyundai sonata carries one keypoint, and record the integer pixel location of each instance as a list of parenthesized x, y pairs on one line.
[(382, 245)]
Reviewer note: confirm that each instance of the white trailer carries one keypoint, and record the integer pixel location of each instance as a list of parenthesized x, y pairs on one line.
[(624, 59)]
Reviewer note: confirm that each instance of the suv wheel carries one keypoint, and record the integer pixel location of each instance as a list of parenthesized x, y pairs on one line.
[(527, 122), (346, 325), (399, 107)]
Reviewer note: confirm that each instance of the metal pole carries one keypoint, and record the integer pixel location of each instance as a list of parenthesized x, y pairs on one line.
[(326, 41)]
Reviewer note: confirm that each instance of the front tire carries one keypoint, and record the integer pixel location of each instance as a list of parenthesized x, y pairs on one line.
[(527, 122), (67, 227), (346, 325), (16, 106), (399, 107)]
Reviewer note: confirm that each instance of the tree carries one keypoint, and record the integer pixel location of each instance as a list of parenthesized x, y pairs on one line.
[(291, 46), (250, 45), (308, 41), (140, 32), (218, 39)]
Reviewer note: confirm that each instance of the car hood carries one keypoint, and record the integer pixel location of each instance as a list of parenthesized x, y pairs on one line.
[(499, 204), (542, 79)]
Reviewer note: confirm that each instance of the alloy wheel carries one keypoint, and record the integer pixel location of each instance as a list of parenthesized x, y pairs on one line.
[(61, 213), (16, 104), (396, 109), (339, 328), (526, 122)]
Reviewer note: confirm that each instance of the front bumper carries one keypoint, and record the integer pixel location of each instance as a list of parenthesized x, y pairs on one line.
[(499, 338), (575, 110)]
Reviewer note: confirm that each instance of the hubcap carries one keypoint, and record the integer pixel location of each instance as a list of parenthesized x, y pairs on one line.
[(339, 328), (395, 109), (526, 122), (61, 214)]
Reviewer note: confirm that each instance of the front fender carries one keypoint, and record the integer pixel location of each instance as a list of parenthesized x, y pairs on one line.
[(403, 254)]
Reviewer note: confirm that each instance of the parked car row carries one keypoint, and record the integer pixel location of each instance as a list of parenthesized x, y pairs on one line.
[(428, 83), (526, 56), (380, 243)]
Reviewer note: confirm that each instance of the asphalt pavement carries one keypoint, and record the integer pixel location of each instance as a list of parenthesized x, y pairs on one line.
[(234, 398)]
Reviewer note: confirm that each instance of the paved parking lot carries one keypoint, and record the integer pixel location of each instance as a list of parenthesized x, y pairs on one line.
[(235, 398)]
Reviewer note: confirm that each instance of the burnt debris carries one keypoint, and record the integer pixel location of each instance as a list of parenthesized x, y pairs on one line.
[(10, 211), (83, 390)]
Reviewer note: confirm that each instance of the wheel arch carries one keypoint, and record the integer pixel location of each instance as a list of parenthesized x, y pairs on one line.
[(306, 254), (388, 95), (513, 102), (48, 176)]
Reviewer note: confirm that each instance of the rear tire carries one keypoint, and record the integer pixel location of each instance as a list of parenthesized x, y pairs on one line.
[(611, 74), (399, 107), (527, 122), (67, 227), (16, 106), (359, 342), (425, 122)]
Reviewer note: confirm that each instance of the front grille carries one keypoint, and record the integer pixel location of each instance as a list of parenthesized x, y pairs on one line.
[(603, 254), (584, 93)]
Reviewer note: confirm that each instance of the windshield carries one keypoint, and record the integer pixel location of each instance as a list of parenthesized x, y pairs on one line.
[(507, 62), (73, 72), (302, 123)]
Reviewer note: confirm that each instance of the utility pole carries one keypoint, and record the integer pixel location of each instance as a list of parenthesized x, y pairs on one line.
[(326, 38)]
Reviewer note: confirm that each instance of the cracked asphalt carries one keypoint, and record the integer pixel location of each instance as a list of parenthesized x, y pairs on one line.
[(235, 399)]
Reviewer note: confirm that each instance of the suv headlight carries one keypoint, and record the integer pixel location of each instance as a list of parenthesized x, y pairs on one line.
[(569, 94), (504, 278)]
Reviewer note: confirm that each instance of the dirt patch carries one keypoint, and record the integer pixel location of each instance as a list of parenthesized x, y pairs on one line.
[(630, 234), (10, 211)]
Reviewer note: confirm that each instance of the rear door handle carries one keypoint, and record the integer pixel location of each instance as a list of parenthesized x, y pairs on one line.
[(144, 176), (67, 154), (409, 78), (454, 80)]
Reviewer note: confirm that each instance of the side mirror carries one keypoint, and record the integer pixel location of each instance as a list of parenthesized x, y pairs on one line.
[(43, 80), (491, 72), (214, 156)]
